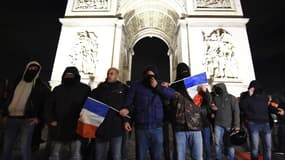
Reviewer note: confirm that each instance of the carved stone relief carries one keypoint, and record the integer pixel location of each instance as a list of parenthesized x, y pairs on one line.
[(213, 4), (219, 56), (84, 52), (91, 5)]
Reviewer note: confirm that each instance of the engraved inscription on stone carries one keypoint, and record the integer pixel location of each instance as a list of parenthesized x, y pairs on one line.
[(84, 52), (219, 55), (212, 4), (89, 5)]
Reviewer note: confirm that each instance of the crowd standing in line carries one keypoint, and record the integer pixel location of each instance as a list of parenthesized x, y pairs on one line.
[(197, 122)]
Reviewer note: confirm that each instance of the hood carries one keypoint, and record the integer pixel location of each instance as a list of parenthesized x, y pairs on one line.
[(152, 68), (220, 87), (254, 84), (182, 71), (31, 76), (73, 70), (257, 87)]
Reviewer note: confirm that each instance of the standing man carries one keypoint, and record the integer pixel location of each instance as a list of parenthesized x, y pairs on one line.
[(24, 111), (63, 109), (187, 120), (204, 101), (256, 110), (279, 101), (227, 118), (144, 101), (110, 133)]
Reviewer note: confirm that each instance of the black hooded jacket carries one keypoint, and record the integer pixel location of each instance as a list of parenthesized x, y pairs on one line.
[(112, 94), (228, 113), (256, 107), (64, 106)]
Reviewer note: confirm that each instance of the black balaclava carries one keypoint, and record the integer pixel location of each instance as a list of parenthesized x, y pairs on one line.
[(218, 91), (182, 71), (257, 87), (31, 74), (146, 78), (70, 80)]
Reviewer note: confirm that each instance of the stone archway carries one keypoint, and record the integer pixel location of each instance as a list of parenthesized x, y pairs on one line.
[(151, 19), (150, 51)]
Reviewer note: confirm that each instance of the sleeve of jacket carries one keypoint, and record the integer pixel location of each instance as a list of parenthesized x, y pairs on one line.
[(49, 108), (130, 97), (165, 92), (236, 113), (272, 105), (206, 104), (45, 91), (12, 87), (243, 101)]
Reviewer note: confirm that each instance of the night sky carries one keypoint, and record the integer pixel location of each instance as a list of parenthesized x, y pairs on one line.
[(30, 31)]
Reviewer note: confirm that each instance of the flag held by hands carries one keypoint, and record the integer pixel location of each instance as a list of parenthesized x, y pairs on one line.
[(191, 83), (91, 116)]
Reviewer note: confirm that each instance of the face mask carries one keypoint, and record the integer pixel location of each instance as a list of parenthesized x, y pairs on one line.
[(147, 79), (68, 81), (30, 75), (185, 73), (218, 91)]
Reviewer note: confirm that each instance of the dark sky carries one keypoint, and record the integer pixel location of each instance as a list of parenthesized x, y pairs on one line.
[(30, 30)]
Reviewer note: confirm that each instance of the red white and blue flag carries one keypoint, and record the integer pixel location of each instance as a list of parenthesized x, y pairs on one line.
[(191, 83), (92, 115)]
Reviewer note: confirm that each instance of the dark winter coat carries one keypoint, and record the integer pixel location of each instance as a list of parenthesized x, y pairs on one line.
[(112, 94), (206, 109), (186, 115), (228, 113), (64, 106), (256, 108), (146, 104)]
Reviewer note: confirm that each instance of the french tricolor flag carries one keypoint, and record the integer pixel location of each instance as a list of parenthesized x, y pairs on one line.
[(91, 116), (191, 83)]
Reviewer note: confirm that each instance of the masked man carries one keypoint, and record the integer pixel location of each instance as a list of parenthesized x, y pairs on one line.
[(24, 111), (63, 110), (144, 100)]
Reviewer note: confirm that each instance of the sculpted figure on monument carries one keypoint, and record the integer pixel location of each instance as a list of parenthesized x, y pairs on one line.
[(219, 59)]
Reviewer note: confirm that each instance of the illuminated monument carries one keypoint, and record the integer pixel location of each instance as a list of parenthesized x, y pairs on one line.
[(209, 35)]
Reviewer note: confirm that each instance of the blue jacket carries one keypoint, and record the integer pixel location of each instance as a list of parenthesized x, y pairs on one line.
[(146, 104)]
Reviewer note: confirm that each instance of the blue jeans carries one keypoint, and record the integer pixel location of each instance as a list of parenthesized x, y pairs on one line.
[(255, 131), (206, 132), (18, 129), (219, 137), (74, 152), (194, 140), (102, 148), (149, 139)]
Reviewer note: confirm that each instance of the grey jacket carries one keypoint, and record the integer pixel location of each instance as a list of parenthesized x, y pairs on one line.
[(228, 113)]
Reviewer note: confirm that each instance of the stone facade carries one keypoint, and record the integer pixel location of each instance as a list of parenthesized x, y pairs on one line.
[(209, 35)]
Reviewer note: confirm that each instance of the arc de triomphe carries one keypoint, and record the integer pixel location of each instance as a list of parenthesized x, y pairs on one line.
[(209, 35)]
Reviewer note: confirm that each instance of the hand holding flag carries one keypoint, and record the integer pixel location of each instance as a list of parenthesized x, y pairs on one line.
[(191, 83), (91, 116)]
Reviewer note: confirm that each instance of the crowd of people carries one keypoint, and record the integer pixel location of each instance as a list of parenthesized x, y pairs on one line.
[(203, 124)]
